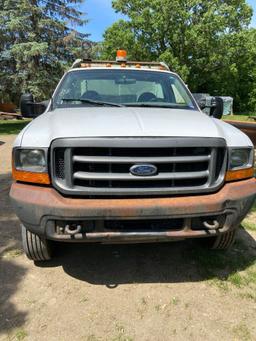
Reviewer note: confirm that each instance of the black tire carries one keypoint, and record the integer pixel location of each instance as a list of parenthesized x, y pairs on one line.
[(223, 241), (36, 248)]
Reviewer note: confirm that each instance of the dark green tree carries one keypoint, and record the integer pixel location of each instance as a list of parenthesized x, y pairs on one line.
[(201, 40), (38, 40), (121, 36), (238, 78)]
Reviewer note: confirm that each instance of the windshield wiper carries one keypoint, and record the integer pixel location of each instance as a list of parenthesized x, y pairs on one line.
[(152, 105), (90, 101)]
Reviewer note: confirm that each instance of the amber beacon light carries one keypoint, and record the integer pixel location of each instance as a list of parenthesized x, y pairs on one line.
[(121, 56)]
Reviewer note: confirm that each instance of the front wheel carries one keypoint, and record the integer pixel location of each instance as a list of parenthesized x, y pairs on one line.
[(223, 241), (36, 248)]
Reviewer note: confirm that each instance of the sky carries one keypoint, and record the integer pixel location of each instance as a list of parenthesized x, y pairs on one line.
[(101, 16), (253, 4)]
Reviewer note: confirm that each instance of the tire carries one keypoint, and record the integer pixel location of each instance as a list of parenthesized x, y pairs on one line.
[(223, 241), (36, 248)]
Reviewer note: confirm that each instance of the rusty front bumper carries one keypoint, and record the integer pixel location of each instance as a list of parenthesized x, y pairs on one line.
[(39, 208)]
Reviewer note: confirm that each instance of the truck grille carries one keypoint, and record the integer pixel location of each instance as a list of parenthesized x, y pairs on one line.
[(101, 167)]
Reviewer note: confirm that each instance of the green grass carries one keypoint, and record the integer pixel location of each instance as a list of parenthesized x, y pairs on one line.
[(249, 225), (241, 117), (12, 253), (175, 301), (248, 296), (121, 336), (12, 127), (20, 335), (241, 332), (249, 222), (237, 118), (235, 267), (92, 337), (254, 208)]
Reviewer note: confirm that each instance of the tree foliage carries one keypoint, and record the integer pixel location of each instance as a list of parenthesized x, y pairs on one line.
[(36, 43), (207, 42)]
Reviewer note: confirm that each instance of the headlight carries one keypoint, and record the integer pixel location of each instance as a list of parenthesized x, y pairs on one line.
[(241, 158), (240, 165), (31, 160)]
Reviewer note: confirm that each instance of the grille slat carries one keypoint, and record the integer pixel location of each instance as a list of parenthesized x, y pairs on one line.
[(102, 166), (116, 159), (121, 176)]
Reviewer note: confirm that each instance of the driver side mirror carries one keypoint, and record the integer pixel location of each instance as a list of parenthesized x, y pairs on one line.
[(29, 108)]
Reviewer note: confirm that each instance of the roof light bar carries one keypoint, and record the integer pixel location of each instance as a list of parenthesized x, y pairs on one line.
[(121, 61), (129, 64)]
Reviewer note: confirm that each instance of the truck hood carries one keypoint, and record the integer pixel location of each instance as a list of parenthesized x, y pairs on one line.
[(125, 122)]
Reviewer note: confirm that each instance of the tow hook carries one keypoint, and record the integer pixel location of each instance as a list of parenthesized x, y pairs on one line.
[(73, 229), (214, 226)]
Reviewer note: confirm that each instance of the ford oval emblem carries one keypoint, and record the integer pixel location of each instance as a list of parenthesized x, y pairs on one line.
[(143, 170)]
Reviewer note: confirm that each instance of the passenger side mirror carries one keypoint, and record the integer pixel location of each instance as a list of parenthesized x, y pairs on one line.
[(202, 104), (29, 108), (214, 105), (217, 109)]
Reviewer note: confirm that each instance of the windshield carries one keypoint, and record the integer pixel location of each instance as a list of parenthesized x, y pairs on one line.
[(122, 88)]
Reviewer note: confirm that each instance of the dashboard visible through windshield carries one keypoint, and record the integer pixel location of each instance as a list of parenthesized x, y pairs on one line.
[(136, 88)]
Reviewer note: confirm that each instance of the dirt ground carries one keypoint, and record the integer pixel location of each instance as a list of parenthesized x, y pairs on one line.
[(173, 291)]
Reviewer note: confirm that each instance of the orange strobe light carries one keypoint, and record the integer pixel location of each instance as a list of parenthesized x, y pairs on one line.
[(121, 56)]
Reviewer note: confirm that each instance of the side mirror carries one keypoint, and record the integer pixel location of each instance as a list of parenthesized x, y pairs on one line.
[(203, 100), (30, 109), (202, 104), (217, 109), (215, 106)]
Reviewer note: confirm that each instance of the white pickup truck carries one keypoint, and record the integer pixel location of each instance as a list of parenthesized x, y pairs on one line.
[(123, 153)]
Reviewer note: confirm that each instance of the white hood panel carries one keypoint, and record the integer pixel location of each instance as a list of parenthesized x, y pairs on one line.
[(126, 122)]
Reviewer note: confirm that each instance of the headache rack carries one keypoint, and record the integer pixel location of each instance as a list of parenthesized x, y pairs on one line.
[(89, 63)]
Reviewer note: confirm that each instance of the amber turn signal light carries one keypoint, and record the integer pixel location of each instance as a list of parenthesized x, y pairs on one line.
[(36, 178), (233, 175)]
